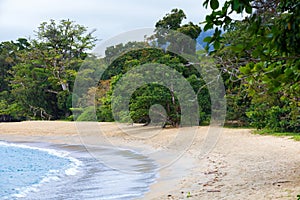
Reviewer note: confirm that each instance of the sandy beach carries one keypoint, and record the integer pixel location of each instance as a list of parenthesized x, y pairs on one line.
[(238, 165)]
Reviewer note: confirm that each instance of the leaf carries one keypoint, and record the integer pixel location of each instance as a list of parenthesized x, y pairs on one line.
[(277, 89), (257, 52), (249, 9), (250, 82), (208, 19), (245, 70), (227, 20), (288, 72), (235, 5), (205, 3), (238, 48), (217, 45), (208, 26), (207, 39), (214, 4)]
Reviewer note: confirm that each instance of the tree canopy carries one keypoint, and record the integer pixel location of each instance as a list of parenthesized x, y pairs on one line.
[(38, 75), (260, 53), (258, 57), (171, 39)]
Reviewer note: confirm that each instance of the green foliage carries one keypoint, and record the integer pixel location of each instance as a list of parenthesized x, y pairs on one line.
[(171, 21), (87, 115), (203, 97), (129, 59), (38, 75), (104, 112), (158, 49), (149, 95), (28, 86), (171, 34), (8, 58), (144, 97), (64, 101), (259, 56), (273, 117), (9, 108)]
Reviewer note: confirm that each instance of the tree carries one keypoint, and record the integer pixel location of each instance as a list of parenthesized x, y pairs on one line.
[(171, 39), (48, 69), (171, 21), (261, 52), (170, 33), (66, 44), (9, 56)]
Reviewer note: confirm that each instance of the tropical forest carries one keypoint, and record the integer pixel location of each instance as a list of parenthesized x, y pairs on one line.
[(257, 57)]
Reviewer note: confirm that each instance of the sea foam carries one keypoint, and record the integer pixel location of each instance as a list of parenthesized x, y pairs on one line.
[(52, 175)]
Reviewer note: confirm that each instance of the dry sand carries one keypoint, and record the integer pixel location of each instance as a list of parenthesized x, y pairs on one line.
[(239, 166)]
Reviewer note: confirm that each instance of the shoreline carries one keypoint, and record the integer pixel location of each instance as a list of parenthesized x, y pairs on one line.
[(241, 165), (55, 173), (81, 162)]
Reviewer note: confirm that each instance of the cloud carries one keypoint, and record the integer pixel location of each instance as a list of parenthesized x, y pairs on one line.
[(19, 18)]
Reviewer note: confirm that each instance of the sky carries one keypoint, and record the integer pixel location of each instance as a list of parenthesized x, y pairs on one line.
[(20, 18)]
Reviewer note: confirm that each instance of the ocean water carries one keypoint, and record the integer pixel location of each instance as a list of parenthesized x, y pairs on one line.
[(44, 171)]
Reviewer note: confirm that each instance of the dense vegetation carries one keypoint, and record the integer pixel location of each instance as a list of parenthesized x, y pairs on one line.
[(37, 76), (258, 58)]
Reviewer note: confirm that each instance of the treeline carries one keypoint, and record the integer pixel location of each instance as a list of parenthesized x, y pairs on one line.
[(171, 42), (37, 76), (258, 59)]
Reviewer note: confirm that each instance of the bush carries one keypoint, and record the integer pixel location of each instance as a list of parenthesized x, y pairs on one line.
[(89, 114), (275, 118)]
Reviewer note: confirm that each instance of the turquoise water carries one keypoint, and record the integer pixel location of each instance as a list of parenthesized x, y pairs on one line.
[(24, 168), (69, 172)]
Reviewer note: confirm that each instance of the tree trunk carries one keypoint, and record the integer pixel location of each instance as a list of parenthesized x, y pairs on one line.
[(65, 86)]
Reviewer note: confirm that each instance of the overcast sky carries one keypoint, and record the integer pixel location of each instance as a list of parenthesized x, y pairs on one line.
[(19, 18)]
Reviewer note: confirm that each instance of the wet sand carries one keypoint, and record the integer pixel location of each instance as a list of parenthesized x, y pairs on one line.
[(239, 166)]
